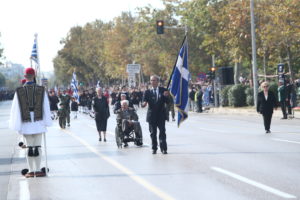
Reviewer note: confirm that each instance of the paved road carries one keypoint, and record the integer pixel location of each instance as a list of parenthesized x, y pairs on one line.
[(211, 156)]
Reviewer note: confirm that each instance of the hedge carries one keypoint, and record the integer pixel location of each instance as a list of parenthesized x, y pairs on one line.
[(237, 96)]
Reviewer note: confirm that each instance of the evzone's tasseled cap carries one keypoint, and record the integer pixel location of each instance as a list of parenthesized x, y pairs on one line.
[(29, 71)]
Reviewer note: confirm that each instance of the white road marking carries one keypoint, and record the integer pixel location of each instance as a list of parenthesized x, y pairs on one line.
[(123, 169), (255, 184), (281, 140), (24, 191)]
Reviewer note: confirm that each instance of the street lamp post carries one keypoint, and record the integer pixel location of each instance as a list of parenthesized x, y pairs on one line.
[(254, 64)]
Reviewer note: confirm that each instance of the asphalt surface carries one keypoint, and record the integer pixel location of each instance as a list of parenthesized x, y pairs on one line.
[(211, 156)]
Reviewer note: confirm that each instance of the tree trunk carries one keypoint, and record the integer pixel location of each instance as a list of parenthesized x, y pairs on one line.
[(237, 70), (264, 65), (289, 64)]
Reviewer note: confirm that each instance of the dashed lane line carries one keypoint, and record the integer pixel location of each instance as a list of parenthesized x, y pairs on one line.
[(24, 191), (281, 140), (161, 194), (254, 183)]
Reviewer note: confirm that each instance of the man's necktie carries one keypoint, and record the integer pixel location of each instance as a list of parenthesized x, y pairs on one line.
[(154, 91)]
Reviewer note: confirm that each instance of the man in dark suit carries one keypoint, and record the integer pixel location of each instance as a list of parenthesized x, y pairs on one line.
[(282, 97), (156, 98)]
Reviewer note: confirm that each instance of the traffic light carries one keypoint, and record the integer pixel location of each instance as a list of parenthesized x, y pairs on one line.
[(160, 27), (212, 72)]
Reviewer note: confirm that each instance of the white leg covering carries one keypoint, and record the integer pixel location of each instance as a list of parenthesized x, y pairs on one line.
[(38, 159), (30, 160), (34, 163)]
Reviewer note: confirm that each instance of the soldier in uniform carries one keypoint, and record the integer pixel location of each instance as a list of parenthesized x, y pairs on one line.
[(30, 115), (62, 116), (66, 99)]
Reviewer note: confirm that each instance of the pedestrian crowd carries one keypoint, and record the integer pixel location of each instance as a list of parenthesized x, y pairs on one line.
[(6, 94)]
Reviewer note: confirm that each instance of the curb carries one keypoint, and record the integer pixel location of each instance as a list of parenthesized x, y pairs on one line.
[(246, 111)]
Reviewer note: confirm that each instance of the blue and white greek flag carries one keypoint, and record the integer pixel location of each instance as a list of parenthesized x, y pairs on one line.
[(98, 84), (180, 83), (74, 85), (34, 52)]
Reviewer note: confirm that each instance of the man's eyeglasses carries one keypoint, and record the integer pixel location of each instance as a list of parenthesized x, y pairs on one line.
[(265, 86)]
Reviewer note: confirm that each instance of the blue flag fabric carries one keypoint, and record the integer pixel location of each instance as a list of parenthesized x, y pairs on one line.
[(34, 52), (74, 85), (180, 83)]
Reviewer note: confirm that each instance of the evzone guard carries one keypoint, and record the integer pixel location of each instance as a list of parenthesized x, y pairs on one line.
[(30, 115)]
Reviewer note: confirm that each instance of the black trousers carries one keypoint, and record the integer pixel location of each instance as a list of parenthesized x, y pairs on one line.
[(162, 135), (267, 121), (62, 122), (200, 106), (289, 106), (283, 108)]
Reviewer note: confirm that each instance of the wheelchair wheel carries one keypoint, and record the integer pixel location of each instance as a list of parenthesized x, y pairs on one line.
[(118, 136), (139, 137)]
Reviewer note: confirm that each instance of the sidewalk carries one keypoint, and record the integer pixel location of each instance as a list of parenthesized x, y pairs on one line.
[(7, 146), (247, 111)]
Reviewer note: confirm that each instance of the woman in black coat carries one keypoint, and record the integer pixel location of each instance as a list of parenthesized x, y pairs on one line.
[(101, 110), (266, 102)]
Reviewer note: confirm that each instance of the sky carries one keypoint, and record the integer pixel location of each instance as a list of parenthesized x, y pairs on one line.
[(20, 20)]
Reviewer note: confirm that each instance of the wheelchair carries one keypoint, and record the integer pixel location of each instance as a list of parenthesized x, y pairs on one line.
[(125, 133)]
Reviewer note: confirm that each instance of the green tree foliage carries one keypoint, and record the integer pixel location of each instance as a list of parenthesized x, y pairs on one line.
[(249, 96), (117, 44), (237, 95), (101, 51), (224, 95)]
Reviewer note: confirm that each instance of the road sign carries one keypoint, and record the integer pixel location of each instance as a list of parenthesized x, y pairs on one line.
[(131, 80), (133, 68), (280, 68), (44, 82), (201, 76)]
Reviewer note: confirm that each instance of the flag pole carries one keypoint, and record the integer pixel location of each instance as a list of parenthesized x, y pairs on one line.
[(38, 59), (175, 64), (46, 156)]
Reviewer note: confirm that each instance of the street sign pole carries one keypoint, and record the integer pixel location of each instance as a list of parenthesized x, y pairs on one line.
[(214, 83)]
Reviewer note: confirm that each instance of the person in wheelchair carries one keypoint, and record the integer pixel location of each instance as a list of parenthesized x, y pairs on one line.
[(127, 122), (117, 105)]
